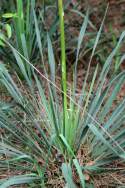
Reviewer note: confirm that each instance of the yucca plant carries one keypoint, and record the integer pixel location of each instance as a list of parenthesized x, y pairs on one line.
[(42, 139)]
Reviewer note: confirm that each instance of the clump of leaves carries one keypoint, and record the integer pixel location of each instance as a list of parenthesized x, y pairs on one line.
[(20, 17), (37, 129)]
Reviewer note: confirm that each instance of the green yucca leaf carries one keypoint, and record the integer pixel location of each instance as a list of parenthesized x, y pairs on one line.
[(17, 180), (81, 36), (79, 170), (51, 59), (67, 173), (69, 149), (90, 90)]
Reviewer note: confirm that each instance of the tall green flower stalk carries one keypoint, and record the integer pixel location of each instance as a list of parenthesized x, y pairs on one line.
[(63, 62)]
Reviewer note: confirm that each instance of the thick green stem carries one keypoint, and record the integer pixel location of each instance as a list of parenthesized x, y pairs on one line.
[(63, 62)]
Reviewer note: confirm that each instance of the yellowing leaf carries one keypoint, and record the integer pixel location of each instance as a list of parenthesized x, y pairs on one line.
[(8, 30), (9, 15)]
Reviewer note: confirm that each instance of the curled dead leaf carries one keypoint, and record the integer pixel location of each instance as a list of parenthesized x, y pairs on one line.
[(91, 163), (87, 177)]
